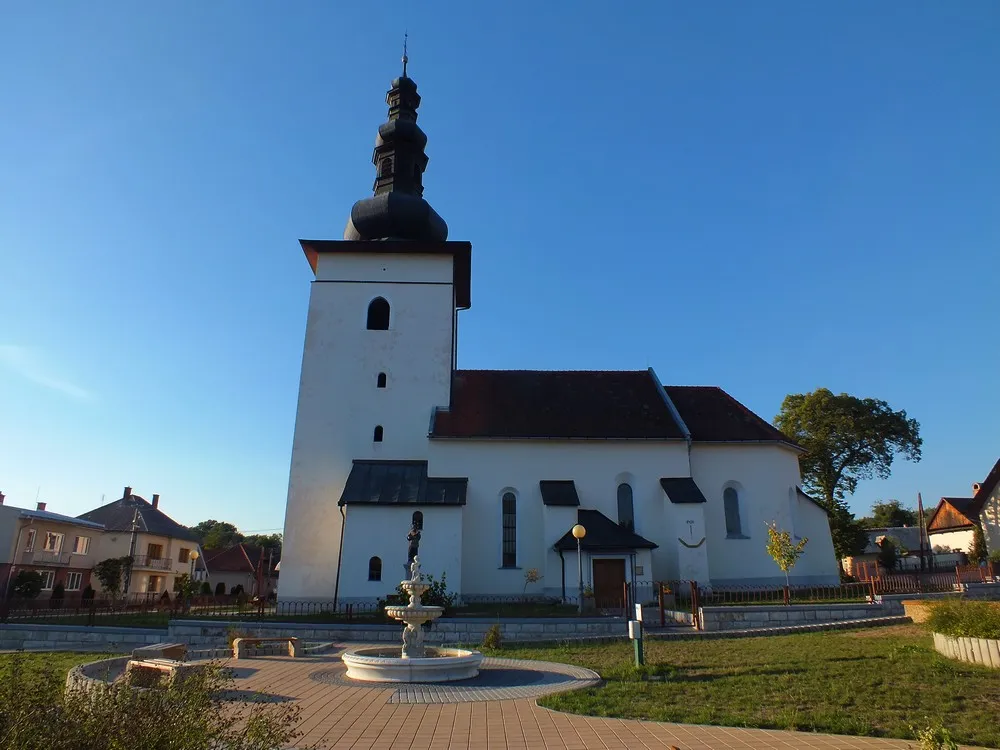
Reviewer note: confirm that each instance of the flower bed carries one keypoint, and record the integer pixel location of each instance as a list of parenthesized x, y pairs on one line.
[(967, 630)]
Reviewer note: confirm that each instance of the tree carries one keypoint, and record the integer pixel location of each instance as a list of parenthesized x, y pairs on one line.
[(978, 553), (889, 551), (782, 549), (846, 439), (111, 574), (185, 587), (214, 534), (267, 541), (27, 584), (889, 514)]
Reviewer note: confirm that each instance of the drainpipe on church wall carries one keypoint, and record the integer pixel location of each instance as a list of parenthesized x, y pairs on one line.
[(340, 557)]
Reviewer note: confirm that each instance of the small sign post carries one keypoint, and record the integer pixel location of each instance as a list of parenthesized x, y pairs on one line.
[(635, 634)]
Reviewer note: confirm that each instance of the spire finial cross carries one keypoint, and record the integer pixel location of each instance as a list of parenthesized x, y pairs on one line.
[(406, 34)]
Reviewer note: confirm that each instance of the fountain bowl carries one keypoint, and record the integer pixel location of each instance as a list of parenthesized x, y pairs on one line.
[(386, 664), (416, 615)]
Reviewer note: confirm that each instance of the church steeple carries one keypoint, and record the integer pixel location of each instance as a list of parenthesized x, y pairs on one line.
[(397, 209)]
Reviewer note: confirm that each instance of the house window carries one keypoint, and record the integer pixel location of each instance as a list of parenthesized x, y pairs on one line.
[(183, 555), (53, 542), (418, 520), (731, 502), (154, 584), (375, 569), (73, 581), (29, 544), (378, 315), (380, 382), (81, 545), (48, 579), (626, 518), (154, 551), (377, 435), (509, 557)]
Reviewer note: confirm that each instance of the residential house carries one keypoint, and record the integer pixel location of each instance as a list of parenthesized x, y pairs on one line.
[(61, 548), (952, 524), (240, 564), (907, 541), (162, 548)]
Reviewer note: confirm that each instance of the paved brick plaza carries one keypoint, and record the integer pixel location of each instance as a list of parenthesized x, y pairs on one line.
[(339, 715)]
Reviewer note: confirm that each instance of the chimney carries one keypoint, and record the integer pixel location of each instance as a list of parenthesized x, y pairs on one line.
[(2, 496), (156, 501), (41, 506), (128, 493), (975, 488)]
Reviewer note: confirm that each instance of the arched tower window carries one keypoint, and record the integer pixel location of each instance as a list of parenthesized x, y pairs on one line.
[(731, 502), (385, 167), (418, 520), (380, 382), (626, 515), (378, 315), (375, 569), (377, 436), (509, 528)]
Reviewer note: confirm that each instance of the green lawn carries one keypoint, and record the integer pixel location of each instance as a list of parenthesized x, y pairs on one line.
[(60, 661), (876, 682)]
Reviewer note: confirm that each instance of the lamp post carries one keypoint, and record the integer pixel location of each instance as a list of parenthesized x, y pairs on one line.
[(579, 533), (194, 561)]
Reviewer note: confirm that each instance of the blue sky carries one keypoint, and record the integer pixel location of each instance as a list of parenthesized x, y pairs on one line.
[(770, 197)]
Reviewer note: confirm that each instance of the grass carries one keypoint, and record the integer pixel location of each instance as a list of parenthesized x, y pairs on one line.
[(60, 661), (877, 682)]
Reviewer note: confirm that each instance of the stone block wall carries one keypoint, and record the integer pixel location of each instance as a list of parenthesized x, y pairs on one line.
[(35, 637), (773, 616)]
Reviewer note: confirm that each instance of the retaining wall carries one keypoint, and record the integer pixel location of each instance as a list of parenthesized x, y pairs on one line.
[(984, 651), (777, 615), (36, 637)]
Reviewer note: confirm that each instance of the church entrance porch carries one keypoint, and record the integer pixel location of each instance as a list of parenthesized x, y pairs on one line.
[(609, 583)]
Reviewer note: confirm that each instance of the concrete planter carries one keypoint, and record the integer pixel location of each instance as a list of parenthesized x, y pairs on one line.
[(984, 651)]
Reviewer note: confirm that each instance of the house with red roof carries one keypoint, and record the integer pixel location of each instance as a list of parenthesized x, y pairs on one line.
[(484, 473), (243, 565)]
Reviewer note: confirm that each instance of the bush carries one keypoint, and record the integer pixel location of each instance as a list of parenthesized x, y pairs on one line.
[(38, 713), (220, 589), (995, 557), (58, 594), (237, 589), (206, 588), (27, 584), (966, 618), (492, 639), (88, 593), (935, 737)]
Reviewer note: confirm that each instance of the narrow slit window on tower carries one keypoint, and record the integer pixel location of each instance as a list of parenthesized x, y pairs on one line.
[(377, 436), (418, 520), (380, 383), (385, 167), (375, 569), (378, 315), (509, 510), (626, 515)]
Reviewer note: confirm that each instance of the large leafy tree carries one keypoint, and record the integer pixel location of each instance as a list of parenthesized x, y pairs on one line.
[(214, 534), (889, 514), (846, 439)]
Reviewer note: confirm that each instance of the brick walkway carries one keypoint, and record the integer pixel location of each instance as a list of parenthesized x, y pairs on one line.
[(338, 715)]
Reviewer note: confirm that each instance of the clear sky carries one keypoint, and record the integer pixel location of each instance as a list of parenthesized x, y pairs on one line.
[(770, 197)]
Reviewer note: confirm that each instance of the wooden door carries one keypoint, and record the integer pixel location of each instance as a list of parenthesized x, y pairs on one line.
[(609, 583)]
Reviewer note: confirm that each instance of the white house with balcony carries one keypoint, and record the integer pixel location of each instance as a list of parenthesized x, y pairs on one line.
[(494, 467)]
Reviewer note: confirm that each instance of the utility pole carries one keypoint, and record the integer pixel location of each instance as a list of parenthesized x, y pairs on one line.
[(922, 530), (131, 551)]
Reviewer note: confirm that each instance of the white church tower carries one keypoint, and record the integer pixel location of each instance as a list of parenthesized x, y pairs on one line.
[(379, 348)]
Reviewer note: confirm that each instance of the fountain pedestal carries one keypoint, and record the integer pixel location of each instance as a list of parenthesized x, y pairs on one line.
[(414, 662)]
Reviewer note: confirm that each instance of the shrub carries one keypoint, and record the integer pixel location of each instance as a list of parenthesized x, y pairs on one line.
[(237, 589), (966, 618), (58, 594), (27, 584), (220, 589), (995, 557), (492, 639), (88, 593), (934, 737), (206, 588), (38, 713), (232, 633)]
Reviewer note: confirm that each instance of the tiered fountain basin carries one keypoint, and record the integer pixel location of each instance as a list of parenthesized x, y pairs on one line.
[(414, 662), (386, 664)]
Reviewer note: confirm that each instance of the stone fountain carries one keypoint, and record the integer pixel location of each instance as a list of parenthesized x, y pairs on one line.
[(414, 662)]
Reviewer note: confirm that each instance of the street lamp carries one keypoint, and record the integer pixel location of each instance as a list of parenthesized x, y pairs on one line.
[(194, 560), (579, 533)]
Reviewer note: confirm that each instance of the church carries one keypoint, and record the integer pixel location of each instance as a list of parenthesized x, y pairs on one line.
[(494, 468)]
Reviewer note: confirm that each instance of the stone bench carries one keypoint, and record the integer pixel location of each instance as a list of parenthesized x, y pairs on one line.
[(172, 651), (240, 650), (174, 669)]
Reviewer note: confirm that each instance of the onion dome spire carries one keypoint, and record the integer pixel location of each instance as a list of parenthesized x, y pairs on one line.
[(397, 210)]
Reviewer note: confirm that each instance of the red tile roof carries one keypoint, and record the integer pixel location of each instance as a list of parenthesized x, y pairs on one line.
[(240, 558), (626, 404)]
